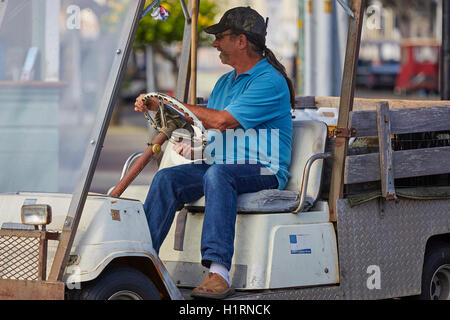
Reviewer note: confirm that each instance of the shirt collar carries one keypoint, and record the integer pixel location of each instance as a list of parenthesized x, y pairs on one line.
[(255, 68)]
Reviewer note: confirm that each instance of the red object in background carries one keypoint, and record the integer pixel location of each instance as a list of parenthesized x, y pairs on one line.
[(419, 68), (170, 93)]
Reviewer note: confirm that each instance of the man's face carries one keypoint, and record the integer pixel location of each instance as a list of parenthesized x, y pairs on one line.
[(225, 44)]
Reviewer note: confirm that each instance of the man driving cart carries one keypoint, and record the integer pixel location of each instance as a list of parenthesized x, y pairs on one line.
[(257, 95)]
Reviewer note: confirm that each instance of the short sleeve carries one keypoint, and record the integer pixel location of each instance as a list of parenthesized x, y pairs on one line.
[(258, 103)]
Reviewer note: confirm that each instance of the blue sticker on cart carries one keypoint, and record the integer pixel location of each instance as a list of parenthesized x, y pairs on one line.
[(300, 243)]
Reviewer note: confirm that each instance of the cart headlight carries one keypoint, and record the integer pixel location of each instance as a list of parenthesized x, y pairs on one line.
[(36, 214)]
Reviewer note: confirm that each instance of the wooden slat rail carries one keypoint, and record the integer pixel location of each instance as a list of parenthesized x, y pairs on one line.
[(425, 119), (388, 165), (345, 105), (366, 104), (407, 164)]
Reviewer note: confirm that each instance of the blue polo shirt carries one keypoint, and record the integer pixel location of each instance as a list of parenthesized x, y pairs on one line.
[(259, 100)]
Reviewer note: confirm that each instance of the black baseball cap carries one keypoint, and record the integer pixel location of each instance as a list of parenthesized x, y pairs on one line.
[(241, 19)]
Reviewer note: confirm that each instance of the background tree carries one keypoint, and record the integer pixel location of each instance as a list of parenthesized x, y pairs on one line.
[(163, 38), (160, 35)]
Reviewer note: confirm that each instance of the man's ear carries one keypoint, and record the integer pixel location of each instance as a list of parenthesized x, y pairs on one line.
[(242, 41)]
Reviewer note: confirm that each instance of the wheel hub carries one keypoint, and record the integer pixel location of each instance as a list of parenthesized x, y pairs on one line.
[(440, 284), (125, 295)]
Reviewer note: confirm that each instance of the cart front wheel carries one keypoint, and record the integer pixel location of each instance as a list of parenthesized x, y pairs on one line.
[(118, 283)]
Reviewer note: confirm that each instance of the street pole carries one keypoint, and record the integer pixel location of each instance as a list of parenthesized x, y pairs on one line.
[(301, 49), (445, 53), (184, 72), (339, 46), (310, 46), (324, 48), (194, 40)]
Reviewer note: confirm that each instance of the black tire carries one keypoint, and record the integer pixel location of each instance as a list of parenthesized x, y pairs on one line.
[(436, 273), (117, 283)]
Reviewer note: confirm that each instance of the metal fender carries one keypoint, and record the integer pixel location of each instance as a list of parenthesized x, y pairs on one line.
[(146, 262)]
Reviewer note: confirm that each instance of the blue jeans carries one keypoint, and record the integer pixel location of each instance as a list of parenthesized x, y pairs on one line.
[(220, 183)]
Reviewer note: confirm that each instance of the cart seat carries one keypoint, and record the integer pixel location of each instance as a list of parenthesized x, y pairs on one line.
[(309, 138)]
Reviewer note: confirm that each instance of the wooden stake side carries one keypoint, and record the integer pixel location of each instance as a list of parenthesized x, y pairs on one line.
[(346, 105), (386, 164)]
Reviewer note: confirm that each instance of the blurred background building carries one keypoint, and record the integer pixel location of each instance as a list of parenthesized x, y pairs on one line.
[(400, 47), (309, 38), (399, 58)]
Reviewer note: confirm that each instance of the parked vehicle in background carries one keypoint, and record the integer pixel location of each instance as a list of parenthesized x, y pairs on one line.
[(419, 66), (378, 64)]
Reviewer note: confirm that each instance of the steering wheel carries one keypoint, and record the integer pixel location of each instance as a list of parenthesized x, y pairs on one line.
[(168, 112), (169, 119)]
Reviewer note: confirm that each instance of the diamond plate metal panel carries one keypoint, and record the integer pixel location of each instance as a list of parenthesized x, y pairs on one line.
[(392, 236), (319, 293)]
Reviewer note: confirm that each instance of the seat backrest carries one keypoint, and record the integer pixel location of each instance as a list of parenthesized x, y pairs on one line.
[(309, 138)]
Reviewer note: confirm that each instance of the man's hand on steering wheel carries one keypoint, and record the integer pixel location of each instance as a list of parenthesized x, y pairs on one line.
[(170, 115), (151, 104)]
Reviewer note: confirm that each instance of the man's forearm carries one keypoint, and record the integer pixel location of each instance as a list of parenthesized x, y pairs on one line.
[(213, 119)]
